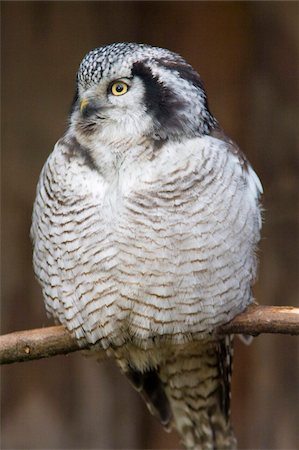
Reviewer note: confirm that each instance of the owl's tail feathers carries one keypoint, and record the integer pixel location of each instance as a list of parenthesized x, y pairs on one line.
[(197, 384), (150, 387)]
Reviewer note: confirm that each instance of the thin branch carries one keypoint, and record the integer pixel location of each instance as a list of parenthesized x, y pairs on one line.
[(35, 344), (51, 341), (259, 319)]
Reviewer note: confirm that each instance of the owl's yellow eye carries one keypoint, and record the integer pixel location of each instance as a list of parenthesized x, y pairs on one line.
[(119, 88)]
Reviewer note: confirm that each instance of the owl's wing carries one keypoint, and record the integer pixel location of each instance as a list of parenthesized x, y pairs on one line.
[(252, 178)]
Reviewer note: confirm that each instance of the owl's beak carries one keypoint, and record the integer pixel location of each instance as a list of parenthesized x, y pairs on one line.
[(83, 104), (88, 107)]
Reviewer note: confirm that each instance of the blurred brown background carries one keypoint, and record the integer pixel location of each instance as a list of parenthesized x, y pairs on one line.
[(247, 54)]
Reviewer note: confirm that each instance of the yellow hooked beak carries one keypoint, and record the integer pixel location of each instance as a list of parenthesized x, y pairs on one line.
[(84, 102)]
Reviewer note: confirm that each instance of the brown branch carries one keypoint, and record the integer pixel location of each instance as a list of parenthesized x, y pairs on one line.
[(51, 341), (35, 344)]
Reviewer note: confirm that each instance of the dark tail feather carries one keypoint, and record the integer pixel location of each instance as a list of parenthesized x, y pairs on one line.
[(150, 387)]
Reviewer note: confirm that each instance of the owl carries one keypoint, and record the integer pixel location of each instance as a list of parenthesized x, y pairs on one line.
[(145, 226)]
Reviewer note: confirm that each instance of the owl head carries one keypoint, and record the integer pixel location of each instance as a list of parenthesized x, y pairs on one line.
[(131, 91)]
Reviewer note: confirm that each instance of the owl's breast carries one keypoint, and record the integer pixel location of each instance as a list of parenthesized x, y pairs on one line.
[(168, 253), (185, 252)]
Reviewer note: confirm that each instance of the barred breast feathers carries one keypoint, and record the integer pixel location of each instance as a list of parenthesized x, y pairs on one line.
[(97, 234)]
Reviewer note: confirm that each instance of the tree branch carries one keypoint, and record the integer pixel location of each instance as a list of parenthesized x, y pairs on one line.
[(51, 341)]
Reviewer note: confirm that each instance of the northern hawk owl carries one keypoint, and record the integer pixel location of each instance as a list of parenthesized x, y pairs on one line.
[(145, 227)]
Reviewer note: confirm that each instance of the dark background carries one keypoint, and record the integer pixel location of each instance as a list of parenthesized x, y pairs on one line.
[(247, 54)]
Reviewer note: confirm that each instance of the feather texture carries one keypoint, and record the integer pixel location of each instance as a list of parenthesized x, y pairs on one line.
[(144, 237)]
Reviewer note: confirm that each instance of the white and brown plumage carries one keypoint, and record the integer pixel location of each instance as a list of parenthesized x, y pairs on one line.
[(144, 227)]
